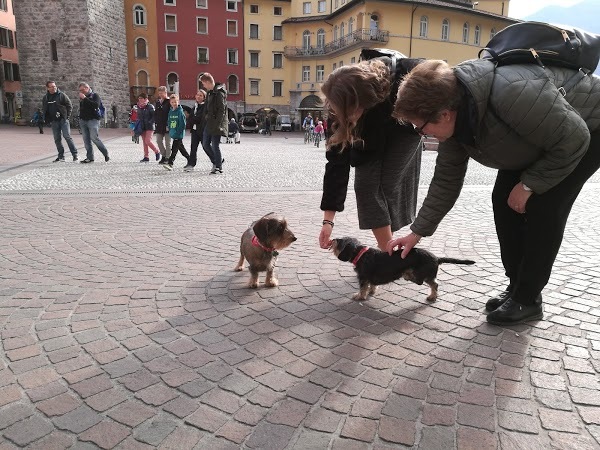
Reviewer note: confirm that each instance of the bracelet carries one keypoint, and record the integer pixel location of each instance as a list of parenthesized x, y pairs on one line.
[(328, 222)]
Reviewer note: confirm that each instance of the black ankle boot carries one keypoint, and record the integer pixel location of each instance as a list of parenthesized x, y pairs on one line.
[(497, 301), (511, 312)]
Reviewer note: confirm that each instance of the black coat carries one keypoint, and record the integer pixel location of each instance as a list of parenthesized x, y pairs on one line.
[(161, 114), (146, 117), (198, 118), (88, 107)]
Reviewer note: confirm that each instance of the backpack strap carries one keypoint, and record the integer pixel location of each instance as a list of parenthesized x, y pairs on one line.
[(571, 82)]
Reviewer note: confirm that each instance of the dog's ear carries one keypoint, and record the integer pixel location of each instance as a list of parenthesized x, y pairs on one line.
[(261, 229), (269, 214)]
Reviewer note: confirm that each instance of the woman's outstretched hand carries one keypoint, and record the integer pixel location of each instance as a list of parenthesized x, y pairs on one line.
[(325, 236), (406, 243)]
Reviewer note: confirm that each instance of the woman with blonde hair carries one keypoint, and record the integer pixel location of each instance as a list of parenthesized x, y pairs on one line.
[(543, 139), (363, 134)]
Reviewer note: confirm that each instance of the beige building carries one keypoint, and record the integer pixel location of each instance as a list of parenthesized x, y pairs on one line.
[(321, 35)]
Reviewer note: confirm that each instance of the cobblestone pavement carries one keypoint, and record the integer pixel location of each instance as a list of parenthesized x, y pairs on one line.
[(124, 326)]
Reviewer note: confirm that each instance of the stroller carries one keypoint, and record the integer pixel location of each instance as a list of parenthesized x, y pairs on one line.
[(233, 134)]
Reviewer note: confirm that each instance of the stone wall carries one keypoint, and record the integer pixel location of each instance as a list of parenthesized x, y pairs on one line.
[(90, 40)]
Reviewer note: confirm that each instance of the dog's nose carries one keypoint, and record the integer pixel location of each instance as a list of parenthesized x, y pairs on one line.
[(294, 239)]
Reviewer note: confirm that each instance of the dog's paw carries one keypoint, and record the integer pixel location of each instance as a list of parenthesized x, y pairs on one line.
[(273, 282), (431, 298), (358, 297), (253, 284), (372, 290), (238, 268)]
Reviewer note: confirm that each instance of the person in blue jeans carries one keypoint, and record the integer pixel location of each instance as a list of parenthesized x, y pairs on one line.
[(89, 122), (217, 124), (57, 108)]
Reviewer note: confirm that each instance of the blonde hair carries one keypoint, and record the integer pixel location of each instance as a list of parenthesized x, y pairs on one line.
[(162, 89), (428, 89), (207, 77), (348, 88), (174, 96)]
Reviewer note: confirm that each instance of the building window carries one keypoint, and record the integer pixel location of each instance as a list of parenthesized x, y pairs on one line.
[(254, 87), (321, 6), (477, 35), (305, 73), (232, 28), (171, 53), (277, 11), (232, 56), (334, 66), (141, 78), (306, 39), (306, 7), (202, 55), (350, 25), (170, 22), (445, 29), (202, 25), (233, 85), (232, 6), (277, 60), (171, 2), (253, 59), (202, 4), (335, 33), (341, 63), (253, 31), (465, 37), (253, 9), (141, 48), (139, 15), (11, 71), (423, 27), (492, 33), (277, 88), (6, 38), (277, 33), (321, 38), (353, 60), (172, 80), (320, 73), (3, 5), (342, 30), (53, 50)]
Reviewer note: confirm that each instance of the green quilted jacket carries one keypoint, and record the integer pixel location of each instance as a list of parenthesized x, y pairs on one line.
[(522, 122)]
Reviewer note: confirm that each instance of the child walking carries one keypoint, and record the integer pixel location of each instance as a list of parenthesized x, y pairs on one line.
[(176, 124)]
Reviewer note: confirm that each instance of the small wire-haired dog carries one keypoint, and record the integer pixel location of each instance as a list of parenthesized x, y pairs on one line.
[(259, 246), (374, 267)]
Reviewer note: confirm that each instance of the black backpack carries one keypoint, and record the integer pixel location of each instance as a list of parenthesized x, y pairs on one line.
[(401, 62)]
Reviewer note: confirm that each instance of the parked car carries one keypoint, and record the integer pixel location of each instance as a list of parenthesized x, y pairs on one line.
[(249, 123), (283, 123)]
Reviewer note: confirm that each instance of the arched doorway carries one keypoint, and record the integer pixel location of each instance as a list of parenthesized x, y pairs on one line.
[(312, 104)]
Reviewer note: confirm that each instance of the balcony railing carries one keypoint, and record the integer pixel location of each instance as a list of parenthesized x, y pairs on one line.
[(356, 38)]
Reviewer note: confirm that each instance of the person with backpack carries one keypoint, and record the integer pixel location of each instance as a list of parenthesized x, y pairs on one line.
[(146, 124), (90, 113), (57, 109), (543, 139), (362, 134), (216, 120)]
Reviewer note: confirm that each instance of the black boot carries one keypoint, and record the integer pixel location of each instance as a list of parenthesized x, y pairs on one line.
[(497, 301), (511, 312)]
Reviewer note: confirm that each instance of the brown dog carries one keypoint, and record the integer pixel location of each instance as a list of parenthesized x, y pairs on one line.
[(259, 247)]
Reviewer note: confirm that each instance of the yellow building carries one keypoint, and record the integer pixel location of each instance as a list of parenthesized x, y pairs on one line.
[(321, 35), (142, 47), (268, 73)]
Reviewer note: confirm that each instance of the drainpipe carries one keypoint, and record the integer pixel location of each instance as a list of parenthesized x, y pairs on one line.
[(412, 16)]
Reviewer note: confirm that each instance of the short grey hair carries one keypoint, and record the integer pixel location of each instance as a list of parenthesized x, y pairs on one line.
[(162, 89), (84, 85)]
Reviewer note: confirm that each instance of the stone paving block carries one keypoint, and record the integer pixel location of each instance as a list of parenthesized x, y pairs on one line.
[(518, 422), (359, 428), (59, 405), (312, 440), (28, 430), (106, 399), (106, 434), (268, 435), (131, 413), (78, 420), (473, 439), (182, 438), (14, 413), (155, 432), (207, 419), (289, 412), (438, 437), (9, 394), (559, 420), (402, 407), (55, 440), (92, 386), (568, 440), (438, 415), (476, 416), (139, 380)]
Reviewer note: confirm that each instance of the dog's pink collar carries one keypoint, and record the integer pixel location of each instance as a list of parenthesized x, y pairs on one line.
[(257, 243), (357, 257)]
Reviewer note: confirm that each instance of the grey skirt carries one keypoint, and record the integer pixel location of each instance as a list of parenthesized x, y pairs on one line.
[(386, 189)]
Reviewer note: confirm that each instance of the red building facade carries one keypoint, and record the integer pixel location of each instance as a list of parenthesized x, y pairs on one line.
[(197, 36)]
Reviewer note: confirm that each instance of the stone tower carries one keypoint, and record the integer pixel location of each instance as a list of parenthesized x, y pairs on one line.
[(72, 41)]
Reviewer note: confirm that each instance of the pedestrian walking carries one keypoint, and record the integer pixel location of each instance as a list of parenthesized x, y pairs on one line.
[(216, 120), (89, 122), (268, 125), (146, 122), (38, 119), (161, 131), (363, 134), (544, 141), (176, 122), (57, 108), (197, 122), (133, 118)]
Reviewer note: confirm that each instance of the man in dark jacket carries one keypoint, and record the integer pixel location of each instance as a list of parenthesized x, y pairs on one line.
[(57, 109), (197, 122), (89, 121), (161, 114), (216, 120)]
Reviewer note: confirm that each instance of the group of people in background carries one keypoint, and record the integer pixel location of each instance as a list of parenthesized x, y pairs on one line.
[(165, 119)]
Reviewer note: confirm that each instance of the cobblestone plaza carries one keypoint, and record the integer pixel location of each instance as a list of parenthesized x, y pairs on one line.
[(123, 324)]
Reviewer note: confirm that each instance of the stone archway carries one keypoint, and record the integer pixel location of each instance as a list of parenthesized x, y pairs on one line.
[(312, 104)]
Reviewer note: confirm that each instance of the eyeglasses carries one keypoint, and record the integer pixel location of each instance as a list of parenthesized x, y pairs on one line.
[(419, 130)]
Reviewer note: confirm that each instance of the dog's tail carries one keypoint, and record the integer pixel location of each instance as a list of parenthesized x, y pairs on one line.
[(455, 261)]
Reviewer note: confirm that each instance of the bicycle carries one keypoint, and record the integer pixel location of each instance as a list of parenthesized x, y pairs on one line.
[(309, 134), (317, 139)]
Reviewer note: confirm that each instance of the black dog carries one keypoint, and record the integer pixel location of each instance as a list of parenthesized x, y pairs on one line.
[(375, 267)]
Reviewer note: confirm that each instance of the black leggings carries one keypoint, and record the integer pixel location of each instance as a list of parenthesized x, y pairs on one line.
[(177, 145), (530, 242)]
